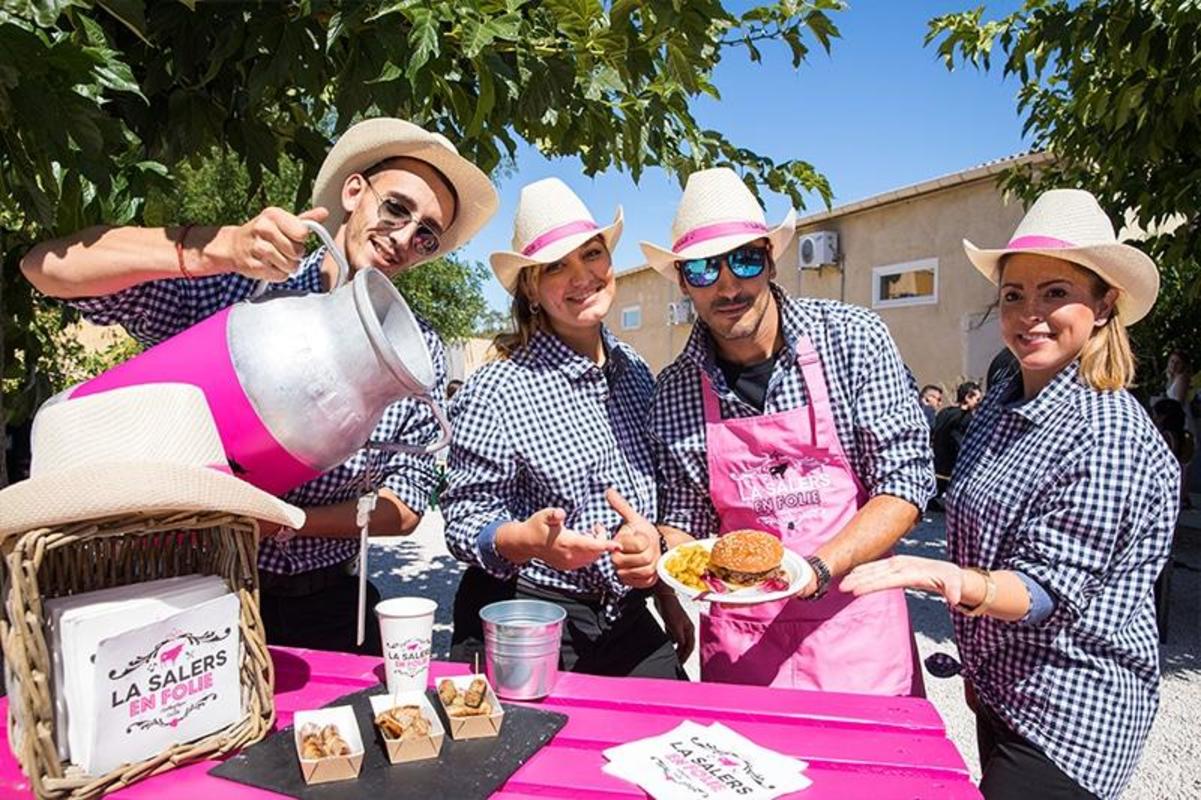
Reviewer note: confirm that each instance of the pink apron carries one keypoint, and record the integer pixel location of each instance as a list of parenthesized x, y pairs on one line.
[(787, 474)]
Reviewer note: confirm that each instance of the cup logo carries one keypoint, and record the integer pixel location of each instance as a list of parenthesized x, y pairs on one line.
[(409, 657)]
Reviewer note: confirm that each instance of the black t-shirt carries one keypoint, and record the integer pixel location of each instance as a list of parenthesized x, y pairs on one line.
[(949, 428), (749, 381)]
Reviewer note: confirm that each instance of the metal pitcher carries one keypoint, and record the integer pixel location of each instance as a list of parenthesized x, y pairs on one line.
[(296, 382)]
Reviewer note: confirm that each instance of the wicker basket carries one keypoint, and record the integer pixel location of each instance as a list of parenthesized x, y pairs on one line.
[(70, 559)]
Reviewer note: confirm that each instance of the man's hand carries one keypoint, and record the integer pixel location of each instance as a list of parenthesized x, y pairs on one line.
[(270, 246), (639, 541), (677, 623), (543, 536)]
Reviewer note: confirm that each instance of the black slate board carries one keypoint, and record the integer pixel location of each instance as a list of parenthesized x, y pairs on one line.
[(463, 769)]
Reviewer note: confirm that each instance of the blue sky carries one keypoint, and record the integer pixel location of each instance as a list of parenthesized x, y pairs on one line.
[(880, 112)]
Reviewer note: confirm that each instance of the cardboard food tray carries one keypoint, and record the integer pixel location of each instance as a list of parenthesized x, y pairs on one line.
[(472, 768), (402, 750), (474, 727), (333, 768)]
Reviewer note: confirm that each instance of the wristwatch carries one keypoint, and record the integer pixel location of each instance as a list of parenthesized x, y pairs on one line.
[(823, 577)]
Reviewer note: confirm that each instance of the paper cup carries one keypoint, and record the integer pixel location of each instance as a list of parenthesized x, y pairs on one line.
[(406, 625)]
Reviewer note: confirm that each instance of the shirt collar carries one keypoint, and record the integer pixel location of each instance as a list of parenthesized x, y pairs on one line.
[(1039, 408), (546, 349)]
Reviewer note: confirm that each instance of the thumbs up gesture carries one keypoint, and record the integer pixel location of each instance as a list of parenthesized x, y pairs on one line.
[(639, 541)]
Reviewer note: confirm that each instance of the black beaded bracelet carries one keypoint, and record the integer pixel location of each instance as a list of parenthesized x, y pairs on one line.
[(823, 577)]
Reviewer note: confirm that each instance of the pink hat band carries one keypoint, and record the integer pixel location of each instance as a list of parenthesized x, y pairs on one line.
[(715, 231), (557, 233), (1039, 243)]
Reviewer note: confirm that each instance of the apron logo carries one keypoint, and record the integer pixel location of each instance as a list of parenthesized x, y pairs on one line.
[(781, 490)]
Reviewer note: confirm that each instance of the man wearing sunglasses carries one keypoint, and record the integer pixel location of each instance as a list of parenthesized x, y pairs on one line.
[(791, 416), (392, 196)]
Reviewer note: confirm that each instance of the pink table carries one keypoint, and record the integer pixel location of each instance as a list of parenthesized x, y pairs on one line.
[(857, 746)]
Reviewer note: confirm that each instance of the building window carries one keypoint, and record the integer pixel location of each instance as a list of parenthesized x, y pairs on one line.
[(914, 283), (631, 318)]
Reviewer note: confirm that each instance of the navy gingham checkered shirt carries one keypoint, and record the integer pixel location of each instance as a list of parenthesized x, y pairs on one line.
[(874, 397), (1077, 490), (549, 428), (156, 310)]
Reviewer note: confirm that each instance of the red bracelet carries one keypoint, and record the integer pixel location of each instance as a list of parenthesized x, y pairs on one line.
[(179, 252)]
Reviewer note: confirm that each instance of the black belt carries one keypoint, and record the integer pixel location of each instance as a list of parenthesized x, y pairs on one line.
[(303, 584), (526, 586)]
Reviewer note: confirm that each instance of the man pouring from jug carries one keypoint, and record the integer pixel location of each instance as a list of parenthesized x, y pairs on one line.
[(392, 195)]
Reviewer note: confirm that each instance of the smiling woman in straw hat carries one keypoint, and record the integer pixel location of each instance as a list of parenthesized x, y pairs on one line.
[(548, 442), (393, 196), (1060, 516)]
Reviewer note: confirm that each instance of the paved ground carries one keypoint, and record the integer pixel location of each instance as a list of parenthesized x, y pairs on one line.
[(1171, 765)]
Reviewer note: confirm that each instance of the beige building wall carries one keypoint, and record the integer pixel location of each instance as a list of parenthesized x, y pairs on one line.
[(655, 337), (942, 341), (949, 339)]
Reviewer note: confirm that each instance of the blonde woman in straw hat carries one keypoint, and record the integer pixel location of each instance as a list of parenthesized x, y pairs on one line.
[(1060, 516), (550, 472), (792, 416), (392, 195)]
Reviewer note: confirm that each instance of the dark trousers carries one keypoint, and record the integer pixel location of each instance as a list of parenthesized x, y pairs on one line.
[(633, 645), (1014, 769), (323, 620)]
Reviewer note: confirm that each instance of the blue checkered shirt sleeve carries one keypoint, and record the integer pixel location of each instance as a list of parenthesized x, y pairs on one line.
[(1100, 512), (681, 477), (483, 475), (413, 477), (157, 310), (892, 441)]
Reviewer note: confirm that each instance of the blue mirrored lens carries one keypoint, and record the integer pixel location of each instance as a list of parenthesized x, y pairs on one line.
[(699, 271), (747, 262)]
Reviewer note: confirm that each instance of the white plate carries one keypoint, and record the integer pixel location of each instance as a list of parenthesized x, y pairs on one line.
[(797, 568)]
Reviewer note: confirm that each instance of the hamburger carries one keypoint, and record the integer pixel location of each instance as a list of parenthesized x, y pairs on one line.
[(743, 559)]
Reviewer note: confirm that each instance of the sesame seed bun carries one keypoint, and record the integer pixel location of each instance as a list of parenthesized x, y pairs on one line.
[(747, 552)]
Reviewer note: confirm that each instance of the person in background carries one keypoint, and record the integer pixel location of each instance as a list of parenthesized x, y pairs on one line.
[(1059, 520), (452, 388), (393, 196), (950, 426), (551, 476), (1178, 387), (931, 400), (1170, 419)]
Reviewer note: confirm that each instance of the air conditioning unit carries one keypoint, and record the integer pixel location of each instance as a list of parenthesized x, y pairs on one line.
[(815, 250), (681, 312)]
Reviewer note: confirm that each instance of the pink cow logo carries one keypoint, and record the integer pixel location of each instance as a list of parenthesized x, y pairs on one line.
[(169, 656)]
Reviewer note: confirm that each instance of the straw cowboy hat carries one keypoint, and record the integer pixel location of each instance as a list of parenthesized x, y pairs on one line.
[(150, 448), (367, 143), (551, 222), (1069, 224), (717, 214)]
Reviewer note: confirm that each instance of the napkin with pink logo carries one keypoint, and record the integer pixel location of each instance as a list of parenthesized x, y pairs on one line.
[(697, 762)]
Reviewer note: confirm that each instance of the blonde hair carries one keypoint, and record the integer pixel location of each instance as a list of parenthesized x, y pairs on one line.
[(525, 319), (1107, 360)]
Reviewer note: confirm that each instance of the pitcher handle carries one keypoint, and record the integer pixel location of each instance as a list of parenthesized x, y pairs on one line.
[(420, 449), (328, 241)]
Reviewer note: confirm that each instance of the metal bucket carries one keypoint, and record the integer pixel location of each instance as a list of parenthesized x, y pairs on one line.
[(521, 647)]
